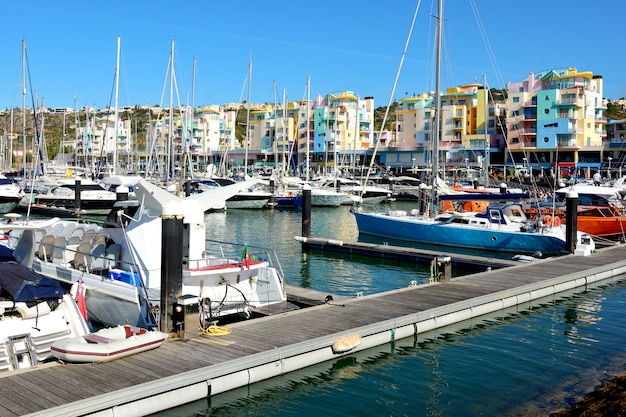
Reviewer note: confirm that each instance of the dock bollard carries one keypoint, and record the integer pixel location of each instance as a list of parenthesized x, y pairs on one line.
[(571, 221), (121, 193), (306, 211), (77, 192), (441, 269), (171, 268)]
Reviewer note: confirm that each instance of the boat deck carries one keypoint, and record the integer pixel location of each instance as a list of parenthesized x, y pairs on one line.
[(181, 371)]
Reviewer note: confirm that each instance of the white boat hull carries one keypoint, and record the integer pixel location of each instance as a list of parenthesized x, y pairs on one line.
[(107, 344)]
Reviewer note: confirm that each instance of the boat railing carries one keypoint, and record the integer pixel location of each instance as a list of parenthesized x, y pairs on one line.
[(223, 253), (93, 257)]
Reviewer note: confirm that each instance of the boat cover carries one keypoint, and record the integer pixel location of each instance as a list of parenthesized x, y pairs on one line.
[(24, 285)]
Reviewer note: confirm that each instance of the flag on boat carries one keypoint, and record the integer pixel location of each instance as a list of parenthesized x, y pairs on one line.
[(246, 256), (80, 300)]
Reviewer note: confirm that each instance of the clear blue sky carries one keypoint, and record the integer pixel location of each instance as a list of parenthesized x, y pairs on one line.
[(342, 45)]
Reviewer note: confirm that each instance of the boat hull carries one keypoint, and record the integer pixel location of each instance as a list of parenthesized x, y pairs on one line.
[(411, 229), (107, 344)]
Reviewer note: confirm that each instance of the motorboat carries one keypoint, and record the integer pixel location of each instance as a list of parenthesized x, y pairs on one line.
[(59, 196), (120, 261), (10, 194), (35, 312), (250, 198), (107, 344), (357, 193), (320, 197)]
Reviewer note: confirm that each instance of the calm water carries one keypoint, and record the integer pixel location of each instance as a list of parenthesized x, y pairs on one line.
[(516, 363)]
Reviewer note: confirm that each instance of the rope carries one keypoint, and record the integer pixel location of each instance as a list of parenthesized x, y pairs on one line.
[(214, 331)]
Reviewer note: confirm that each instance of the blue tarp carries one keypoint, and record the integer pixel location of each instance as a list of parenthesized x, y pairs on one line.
[(24, 285)]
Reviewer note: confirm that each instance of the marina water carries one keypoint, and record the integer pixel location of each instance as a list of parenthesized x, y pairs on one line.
[(528, 361)]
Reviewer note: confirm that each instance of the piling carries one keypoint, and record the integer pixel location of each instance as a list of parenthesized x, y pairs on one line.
[(121, 193), (306, 211), (171, 269), (77, 191), (571, 221), (272, 190)]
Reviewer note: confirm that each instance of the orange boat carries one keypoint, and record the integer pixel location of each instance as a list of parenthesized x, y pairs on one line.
[(604, 221)]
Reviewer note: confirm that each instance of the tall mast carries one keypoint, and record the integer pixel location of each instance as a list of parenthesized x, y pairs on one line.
[(285, 140), (11, 144), (437, 124), (245, 159), (487, 144), (275, 144), (170, 157), (116, 114), (24, 108), (193, 108), (308, 100)]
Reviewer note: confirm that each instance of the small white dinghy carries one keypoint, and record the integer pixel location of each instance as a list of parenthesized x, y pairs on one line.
[(107, 344)]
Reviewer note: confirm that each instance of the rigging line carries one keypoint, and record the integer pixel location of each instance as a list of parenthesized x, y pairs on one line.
[(106, 125), (483, 34), (36, 131), (393, 90), (35, 124)]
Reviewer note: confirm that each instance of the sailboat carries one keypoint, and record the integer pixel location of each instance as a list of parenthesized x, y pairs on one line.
[(501, 226)]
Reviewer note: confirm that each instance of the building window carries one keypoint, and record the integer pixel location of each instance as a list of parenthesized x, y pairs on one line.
[(515, 99)]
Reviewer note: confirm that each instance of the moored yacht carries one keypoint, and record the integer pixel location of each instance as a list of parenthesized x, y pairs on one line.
[(121, 261)]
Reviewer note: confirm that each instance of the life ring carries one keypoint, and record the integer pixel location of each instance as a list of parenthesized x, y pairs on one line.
[(556, 221), (547, 220), (290, 194)]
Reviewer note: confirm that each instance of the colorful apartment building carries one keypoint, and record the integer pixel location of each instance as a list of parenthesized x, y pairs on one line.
[(555, 122)]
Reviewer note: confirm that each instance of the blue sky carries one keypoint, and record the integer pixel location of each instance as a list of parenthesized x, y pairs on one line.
[(356, 46)]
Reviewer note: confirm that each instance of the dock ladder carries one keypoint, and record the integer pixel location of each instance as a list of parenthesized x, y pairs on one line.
[(21, 344)]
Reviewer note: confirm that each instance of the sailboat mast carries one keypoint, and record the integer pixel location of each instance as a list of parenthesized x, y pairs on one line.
[(24, 108), (170, 156), (247, 144), (275, 144), (116, 114), (11, 144), (308, 103), (193, 109), (437, 124), (487, 144), (285, 165)]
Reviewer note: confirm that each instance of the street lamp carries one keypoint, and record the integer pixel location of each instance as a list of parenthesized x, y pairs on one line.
[(609, 171)]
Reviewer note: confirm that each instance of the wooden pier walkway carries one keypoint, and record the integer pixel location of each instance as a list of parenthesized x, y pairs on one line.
[(182, 371), (403, 253)]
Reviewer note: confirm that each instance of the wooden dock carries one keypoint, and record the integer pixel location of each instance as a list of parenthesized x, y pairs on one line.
[(402, 253), (182, 371)]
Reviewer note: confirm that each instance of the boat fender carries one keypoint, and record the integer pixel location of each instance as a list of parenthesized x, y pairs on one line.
[(547, 220), (556, 221), (37, 310), (346, 343)]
